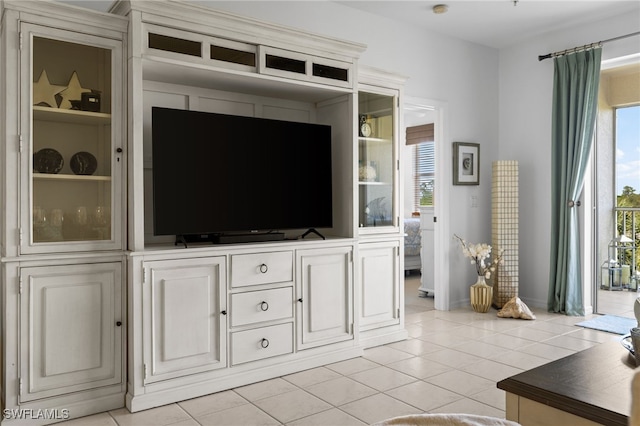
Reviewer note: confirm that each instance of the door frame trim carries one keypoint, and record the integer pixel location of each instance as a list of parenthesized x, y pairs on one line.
[(441, 208)]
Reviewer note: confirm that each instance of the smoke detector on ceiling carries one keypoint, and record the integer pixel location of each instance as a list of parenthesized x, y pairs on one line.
[(440, 8)]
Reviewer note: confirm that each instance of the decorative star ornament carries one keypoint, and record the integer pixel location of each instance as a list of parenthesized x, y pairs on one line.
[(45, 92), (73, 92)]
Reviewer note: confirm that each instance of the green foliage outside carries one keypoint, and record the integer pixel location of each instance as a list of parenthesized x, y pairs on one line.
[(426, 193), (629, 198), (628, 221)]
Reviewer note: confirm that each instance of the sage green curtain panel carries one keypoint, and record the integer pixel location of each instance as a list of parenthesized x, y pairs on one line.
[(575, 105)]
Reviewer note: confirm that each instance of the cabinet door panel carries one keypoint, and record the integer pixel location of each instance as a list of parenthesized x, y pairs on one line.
[(325, 312), (379, 285), (327, 295), (378, 167), (69, 327), (181, 306), (72, 193), (186, 327)]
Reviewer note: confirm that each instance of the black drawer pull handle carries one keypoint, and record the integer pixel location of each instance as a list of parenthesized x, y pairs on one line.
[(264, 268), (118, 323), (300, 300), (223, 312), (264, 306), (264, 343)]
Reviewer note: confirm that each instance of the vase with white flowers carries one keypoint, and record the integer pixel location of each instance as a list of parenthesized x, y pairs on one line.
[(480, 293)]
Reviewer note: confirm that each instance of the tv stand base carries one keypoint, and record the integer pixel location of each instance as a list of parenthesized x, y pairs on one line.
[(253, 237), (313, 231)]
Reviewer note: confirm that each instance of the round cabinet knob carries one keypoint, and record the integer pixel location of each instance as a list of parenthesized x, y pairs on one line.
[(264, 268), (300, 300), (119, 150), (118, 323), (264, 306), (264, 343), (223, 312)]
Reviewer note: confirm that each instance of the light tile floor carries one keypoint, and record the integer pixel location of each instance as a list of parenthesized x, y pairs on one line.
[(617, 302), (450, 364)]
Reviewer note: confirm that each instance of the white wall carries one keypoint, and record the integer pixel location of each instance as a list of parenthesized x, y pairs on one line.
[(525, 134), (500, 99), (462, 74)]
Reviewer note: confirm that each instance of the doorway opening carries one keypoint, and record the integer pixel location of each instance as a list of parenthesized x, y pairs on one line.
[(426, 202), (616, 181)]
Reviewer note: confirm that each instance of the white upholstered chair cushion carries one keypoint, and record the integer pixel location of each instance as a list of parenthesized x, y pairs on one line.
[(446, 420)]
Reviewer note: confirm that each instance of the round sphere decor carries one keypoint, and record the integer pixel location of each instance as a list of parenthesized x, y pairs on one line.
[(83, 163), (48, 160)]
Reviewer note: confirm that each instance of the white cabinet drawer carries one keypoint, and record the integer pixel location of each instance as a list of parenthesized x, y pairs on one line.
[(261, 268), (264, 305), (260, 343)]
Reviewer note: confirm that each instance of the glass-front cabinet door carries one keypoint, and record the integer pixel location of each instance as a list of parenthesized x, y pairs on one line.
[(377, 162), (72, 141)]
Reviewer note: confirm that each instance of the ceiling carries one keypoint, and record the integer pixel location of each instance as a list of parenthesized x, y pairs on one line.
[(498, 23), (493, 23)]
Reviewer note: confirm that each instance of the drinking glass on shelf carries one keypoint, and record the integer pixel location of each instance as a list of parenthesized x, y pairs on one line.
[(81, 215), (100, 216), (101, 220), (39, 216), (79, 231), (39, 223), (57, 216)]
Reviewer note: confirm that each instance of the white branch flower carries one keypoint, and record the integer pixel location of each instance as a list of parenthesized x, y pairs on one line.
[(479, 255)]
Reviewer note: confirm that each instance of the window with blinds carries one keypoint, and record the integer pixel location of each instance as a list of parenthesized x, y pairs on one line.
[(424, 177), (424, 167)]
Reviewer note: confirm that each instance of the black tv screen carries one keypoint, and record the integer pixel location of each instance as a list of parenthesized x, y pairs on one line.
[(216, 173)]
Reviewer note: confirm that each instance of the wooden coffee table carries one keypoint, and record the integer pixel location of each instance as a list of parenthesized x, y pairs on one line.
[(589, 387)]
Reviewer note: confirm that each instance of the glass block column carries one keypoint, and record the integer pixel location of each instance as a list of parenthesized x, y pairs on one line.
[(504, 229)]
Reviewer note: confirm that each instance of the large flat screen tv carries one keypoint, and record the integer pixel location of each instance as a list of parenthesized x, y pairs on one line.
[(217, 174)]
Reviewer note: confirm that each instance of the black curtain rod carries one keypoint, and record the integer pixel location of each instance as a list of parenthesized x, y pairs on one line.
[(586, 46)]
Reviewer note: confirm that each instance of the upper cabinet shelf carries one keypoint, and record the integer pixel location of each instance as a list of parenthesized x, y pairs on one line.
[(67, 177), (373, 183), (374, 140), (266, 55), (70, 116), (301, 66)]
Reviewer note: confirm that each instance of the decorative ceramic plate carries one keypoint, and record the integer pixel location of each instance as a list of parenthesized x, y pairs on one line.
[(48, 160), (626, 342), (83, 163)]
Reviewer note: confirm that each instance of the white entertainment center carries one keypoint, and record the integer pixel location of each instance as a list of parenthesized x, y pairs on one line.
[(100, 313)]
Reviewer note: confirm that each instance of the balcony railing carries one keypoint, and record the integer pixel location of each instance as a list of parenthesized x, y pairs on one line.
[(628, 221), (628, 224)]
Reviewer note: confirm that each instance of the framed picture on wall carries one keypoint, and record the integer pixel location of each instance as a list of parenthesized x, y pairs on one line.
[(466, 163)]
